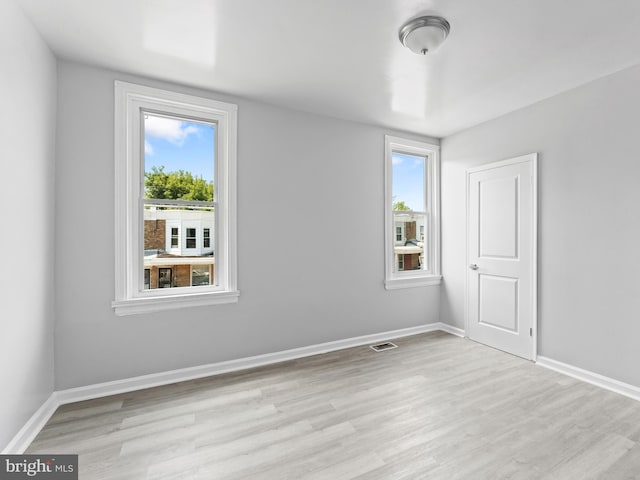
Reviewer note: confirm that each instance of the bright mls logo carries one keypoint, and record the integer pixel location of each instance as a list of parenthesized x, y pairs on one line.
[(53, 467)]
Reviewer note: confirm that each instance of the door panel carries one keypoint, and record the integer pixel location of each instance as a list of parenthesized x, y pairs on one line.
[(498, 215), (501, 253), (498, 302)]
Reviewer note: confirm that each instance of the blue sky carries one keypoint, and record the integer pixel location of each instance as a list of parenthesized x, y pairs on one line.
[(179, 145), (408, 180)]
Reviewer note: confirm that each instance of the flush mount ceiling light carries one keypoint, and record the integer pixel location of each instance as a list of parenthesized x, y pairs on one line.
[(424, 34)]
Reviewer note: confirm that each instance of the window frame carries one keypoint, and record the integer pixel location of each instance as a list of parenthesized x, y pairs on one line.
[(131, 101), (413, 278)]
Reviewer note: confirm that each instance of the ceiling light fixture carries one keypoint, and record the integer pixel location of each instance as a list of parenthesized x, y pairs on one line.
[(424, 34)]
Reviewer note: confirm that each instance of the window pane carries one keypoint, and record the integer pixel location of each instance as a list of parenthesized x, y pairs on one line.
[(408, 190), (179, 179), (167, 252), (200, 275), (409, 250)]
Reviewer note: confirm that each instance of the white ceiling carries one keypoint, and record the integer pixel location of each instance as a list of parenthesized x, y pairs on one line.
[(342, 58)]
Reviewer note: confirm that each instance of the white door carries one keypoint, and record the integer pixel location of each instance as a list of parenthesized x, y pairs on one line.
[(501, 253)]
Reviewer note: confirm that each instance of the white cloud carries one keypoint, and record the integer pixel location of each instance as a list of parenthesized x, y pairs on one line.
[(148, 149), (169, 129), (395, 160)]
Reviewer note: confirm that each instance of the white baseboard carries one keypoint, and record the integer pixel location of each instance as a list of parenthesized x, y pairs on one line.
[(596, 379), (26, 435), (165, 378), (445, 327), (28, 432)]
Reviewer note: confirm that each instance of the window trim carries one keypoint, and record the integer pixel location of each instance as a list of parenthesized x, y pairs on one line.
[(413, 278), (130, 99)]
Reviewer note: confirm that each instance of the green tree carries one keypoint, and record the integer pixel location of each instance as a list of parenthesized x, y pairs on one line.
[(400, 205), (176, 185)]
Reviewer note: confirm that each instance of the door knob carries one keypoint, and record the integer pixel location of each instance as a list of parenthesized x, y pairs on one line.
[(473, 266)]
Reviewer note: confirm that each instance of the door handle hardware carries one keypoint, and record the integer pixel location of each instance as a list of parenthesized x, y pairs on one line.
[(473, 266)]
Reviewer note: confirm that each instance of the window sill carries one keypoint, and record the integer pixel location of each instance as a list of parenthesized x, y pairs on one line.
[(156, 304), (411, 282)]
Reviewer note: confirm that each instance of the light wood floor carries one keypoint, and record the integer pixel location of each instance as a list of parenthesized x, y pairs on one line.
[(438, 407)]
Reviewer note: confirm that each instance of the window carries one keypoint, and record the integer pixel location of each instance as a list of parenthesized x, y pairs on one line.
[(174, 237), (200, 275), (411, 213), (399, 234), (191, 238), (175, 166)]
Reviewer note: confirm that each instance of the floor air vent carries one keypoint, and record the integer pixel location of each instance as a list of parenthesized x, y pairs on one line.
[(381, 347)]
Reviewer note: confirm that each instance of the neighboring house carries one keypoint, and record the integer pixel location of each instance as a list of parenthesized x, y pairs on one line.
[(409, 241), (178, 247)]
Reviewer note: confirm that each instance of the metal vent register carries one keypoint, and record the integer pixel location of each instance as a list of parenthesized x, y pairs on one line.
[(381, 347)]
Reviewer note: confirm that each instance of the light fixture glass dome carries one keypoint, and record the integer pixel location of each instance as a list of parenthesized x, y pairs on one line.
[(424, 34)]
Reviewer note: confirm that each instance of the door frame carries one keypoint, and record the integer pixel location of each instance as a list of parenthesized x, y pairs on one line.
[(533, 159)]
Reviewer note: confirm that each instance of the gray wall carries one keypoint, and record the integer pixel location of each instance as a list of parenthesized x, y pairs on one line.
[(27, 134), (310, 224), (589, 219)]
